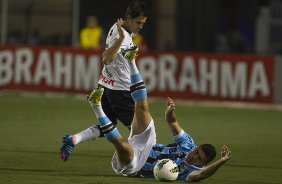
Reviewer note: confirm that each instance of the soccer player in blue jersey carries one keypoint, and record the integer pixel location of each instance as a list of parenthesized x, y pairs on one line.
[(138, 155)]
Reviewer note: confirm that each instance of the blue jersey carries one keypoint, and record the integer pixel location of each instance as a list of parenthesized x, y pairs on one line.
[(177, 152)]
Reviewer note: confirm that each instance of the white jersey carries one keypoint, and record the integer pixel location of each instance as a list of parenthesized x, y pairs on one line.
[(116, 75)]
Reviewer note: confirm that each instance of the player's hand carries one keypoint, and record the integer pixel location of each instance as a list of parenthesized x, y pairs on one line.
[(119, 25), (169, 113), (170, 104), (225, 153)]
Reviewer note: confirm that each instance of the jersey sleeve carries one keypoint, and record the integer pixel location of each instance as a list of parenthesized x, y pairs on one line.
[(185, 141), (191, 170), (112, 37)]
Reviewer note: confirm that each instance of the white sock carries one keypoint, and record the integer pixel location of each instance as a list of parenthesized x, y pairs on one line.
[(98, 111), (90, 133), (133, 68)]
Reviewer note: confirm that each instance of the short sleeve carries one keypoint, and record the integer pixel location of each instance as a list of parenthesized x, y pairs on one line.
[(185, 141)]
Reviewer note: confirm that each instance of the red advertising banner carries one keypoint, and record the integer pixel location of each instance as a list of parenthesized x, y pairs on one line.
[(200, 76), (182, 75), (44, 69)]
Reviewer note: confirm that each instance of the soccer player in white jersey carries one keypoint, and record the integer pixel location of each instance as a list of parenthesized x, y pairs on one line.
[(117, 102), (138, 155)]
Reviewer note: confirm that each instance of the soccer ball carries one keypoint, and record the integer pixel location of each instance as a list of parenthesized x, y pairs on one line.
[(166, 170)]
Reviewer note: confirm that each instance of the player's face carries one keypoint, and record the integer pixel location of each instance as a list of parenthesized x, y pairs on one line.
[(136, 24), (197, 157)]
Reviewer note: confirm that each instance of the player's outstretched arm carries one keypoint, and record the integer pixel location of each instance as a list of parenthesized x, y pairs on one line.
[(111, 53), (170, 117), (211, 168)]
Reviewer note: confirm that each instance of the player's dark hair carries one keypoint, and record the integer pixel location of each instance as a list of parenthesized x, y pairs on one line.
[(209, 151), (136, 9)]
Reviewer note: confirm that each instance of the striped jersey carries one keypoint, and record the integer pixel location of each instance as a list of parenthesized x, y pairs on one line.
[(116, 75), (177, 152)]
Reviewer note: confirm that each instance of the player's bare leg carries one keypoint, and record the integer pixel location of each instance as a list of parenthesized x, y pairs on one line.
[(142, 117)]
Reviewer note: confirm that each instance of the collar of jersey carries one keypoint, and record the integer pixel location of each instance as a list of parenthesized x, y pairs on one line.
[(127, 30)]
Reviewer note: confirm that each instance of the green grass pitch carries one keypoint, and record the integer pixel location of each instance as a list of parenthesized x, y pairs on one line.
[(31, 129)]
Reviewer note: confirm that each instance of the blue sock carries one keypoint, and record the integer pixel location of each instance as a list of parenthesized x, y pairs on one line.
[(108, 128), (138, 88)]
